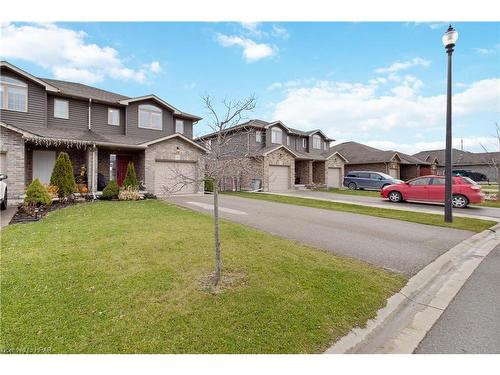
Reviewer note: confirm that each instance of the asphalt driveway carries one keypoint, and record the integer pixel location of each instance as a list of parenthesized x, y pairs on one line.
[(398, 245), (489, 212)]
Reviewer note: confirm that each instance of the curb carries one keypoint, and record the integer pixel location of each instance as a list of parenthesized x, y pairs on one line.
[(424, 211), (410, 314)]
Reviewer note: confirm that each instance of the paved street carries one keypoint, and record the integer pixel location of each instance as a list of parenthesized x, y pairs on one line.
[(475, 211), (402, 246), (471, 323)]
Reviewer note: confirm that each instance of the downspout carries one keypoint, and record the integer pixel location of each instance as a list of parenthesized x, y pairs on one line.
[(90, 114), (94, 174)]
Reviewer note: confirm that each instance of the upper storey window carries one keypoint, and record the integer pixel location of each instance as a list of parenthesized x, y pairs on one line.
[(13, 94), (61, 108), (179, 126), (258, 136), (317, 142), (113, 116), (276, 135), (150, 117)]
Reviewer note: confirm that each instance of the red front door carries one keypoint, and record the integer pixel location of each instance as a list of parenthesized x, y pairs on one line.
[(121, 168)]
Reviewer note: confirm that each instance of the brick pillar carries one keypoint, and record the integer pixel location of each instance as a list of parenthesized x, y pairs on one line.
[(92, 160), (309, 172)]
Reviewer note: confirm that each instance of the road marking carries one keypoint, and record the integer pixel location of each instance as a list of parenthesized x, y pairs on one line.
[(207, 206)]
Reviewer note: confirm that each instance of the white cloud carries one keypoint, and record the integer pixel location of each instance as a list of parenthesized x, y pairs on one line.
[(252, 28), (252, 51), (351, 110), (67, 54), (484, 51), (280, 31), (402, 65)]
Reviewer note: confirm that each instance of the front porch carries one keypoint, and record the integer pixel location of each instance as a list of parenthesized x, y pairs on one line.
[(310, 172), (92, 166)]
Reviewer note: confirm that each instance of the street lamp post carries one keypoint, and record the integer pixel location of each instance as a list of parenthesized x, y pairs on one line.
[(449, 40)]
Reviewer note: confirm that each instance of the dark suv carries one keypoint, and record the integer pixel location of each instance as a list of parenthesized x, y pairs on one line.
[(475, 176), (368, 180)]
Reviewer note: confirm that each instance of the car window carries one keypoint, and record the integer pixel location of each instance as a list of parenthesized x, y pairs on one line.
[(351, 175), (376, 176), (469, 181), (438, 181), (364, 175), (420, 181)]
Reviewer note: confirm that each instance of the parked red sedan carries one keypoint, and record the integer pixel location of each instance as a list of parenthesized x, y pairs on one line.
[(431, 189)]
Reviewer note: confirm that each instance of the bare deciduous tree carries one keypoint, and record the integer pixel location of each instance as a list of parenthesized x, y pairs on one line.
[(225, 157), (493, 161)]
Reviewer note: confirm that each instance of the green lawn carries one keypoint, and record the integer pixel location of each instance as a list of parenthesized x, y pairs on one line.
[(123, 277), (365, 193), (475, 225), (489, 204)]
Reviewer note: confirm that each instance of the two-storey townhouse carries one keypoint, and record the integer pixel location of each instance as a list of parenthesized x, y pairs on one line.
[(102, 132), (280, 158)]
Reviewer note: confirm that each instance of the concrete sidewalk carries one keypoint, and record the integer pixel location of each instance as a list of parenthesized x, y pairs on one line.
[(6, 215)]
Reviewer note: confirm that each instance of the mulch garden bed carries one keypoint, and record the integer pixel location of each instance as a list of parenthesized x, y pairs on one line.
[(26, 214)]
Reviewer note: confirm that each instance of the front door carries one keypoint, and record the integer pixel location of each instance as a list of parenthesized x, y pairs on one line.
[(43, 164), (121, 168)]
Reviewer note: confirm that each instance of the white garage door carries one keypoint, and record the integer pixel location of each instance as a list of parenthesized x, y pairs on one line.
[(43, 164), (333, 177), (393, 172), (279, 178), (169, 178)]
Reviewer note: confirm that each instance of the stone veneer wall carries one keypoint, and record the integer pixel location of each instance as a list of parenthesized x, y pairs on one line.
[(279, 157), (319, 172), (375, 167), (174, 149), (13, 149), (103, 161), (304, 172)]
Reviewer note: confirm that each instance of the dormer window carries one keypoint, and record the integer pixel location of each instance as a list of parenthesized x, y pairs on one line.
[(276, 135), (288, 140), (13, 94), (304, 143), (317, 142), (150, 117), (258, 136)]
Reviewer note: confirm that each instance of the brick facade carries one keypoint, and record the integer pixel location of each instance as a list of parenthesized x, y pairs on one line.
[(174, 149), (12, 148), (303, 172), (375, 167), (278, 157)]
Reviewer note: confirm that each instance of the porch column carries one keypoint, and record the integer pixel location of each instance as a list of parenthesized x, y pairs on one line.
[(309, 172), (92, 169)]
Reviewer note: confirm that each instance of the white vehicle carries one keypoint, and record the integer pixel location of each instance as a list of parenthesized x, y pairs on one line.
[(3, 191)]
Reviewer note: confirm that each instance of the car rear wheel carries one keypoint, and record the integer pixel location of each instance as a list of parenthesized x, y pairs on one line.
[(459, 201), (395, 196), (352, 186), (4, 202)]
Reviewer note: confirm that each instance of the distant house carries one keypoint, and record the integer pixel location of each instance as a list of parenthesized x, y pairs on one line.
[(480, 162), (393, 163), (280, 158)]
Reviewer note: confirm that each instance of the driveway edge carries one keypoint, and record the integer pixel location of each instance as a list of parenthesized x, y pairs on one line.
[(410, 314), (424, 211)]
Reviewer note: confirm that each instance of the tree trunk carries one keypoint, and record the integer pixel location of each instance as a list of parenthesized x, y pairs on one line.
[(216, 234)]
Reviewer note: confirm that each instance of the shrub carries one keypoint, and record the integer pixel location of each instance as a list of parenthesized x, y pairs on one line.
[(37, 195), (129, 194), (131, 177), (62, 176), (209, 185), (52, 190), (111, 190)]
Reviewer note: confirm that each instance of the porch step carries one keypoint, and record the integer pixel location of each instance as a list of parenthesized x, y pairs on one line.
[(300, 187)]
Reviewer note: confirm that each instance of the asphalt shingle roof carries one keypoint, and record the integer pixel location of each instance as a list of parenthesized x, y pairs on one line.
[(81, 90), (460, 157)]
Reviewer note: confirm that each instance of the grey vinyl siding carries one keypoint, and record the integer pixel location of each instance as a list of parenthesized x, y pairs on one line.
[(37, 104), (188, 128), (78, 113), (269, 136), (313, 150), (100, 119), (132, 125), (299, 146)]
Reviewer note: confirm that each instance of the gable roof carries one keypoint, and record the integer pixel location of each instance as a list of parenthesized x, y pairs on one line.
[(21, 72), (175, 135), (461, 157), (358, 153), (80, 90)]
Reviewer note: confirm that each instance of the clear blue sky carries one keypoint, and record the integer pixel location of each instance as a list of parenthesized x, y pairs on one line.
[(378, 83)]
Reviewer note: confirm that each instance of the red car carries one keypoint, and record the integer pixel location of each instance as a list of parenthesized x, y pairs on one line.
[(431, 189)]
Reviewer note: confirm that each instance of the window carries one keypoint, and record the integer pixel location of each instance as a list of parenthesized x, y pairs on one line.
[(304, 143), (288, 140), (13, 94), (258, 136), (363, 175), (420, 181), (276, 135), (113, 116), (112, 167), (326, 146), (317, 142), (438, 181), (61, 108), (376, 176), (150, 117), (179, 126)]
